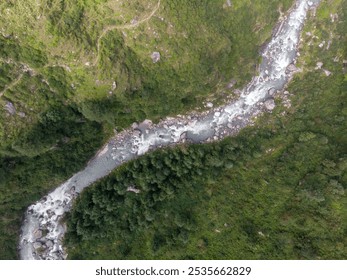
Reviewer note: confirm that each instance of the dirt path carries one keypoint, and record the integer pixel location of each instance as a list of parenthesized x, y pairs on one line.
[(121, 27), (11, 85)]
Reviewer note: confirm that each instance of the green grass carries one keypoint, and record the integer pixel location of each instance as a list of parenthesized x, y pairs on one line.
[(275, 191), (194, 65)]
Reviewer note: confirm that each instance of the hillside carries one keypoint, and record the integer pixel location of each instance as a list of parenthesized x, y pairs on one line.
[(73, 71), (275, 191)]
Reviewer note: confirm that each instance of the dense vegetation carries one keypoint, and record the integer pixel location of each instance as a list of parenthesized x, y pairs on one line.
[(71, 71), (276, 191)]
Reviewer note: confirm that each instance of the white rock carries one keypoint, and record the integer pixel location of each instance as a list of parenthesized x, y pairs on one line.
[(37, 245), (134, 125), (137, 133), (270, 104), (155, 57), (327, 73), (37, 234), (9, 107), (292, 68), (319, 64)]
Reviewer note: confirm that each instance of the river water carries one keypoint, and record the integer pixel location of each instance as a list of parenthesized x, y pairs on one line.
[(43, 231)]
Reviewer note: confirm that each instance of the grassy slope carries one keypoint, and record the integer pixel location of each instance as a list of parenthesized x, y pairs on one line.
[(71, 39), (59, 80), (276, 191)]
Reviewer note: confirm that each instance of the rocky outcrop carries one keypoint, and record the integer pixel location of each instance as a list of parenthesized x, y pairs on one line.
[(155, 57), (270, 104), (9, 107)]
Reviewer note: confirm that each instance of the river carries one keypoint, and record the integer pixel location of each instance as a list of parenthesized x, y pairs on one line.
[(42, 230)]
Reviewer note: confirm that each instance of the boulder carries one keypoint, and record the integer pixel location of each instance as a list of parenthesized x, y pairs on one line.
[(37, 245), (114, 85), (183, 136), (272, 91), (146, 124), (21, 114), (37, 234), (231, 84), (270, 104), (134, 21), (137, 133), (155, 57), (327, 73), (9, 107), (319, 65), (209, 105), (49, 244), (134, 125), (291, 68), (217, 114)]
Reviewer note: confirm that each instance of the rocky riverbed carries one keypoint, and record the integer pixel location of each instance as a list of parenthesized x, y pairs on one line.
[(43, 229)]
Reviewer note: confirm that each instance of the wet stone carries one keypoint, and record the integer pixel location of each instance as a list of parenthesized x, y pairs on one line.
[(137, 133), (272, 91), (291, 68), (37, 245), (183, 136), (37, 234), (217, 114), (134, 125), (49, 244), (146, 124)]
